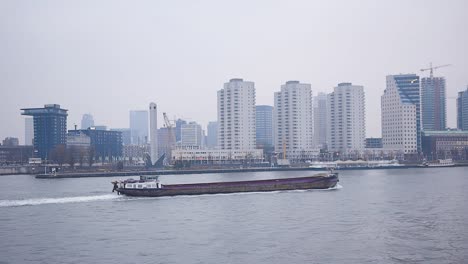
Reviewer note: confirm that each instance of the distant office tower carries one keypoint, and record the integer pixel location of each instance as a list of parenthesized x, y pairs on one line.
[(10, 142), (433, 103), (50, 128), (191, 135), (212, 137), (264, 125), (153, 117), (203, 143), (320, 121), (347, 118), (126, 135), (236, 115), (293, 119), (28, 131), (401, 126), (139, 126), (166, 141), (462, 110), (178, 128), (87, 121)]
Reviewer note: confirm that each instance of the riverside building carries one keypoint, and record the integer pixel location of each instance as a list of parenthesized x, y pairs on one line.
[(433, 104), (401, 126), (191, 134), (346, 118), (264, 126), (236, 115), (50, 128), (293, 121), (462, 110), (320, 121)]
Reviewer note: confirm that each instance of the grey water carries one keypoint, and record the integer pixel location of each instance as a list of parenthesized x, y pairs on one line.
[(374, 216)]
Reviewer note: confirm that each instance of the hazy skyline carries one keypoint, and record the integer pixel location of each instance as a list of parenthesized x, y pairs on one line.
[(109, 57)]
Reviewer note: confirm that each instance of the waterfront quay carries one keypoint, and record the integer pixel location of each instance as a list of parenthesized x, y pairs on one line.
[(204, 171)]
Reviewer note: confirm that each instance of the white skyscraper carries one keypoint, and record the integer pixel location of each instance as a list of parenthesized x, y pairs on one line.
[(28, 131), (191, 134), (153, 112), (320, 120), (236, 115), (293, 120), (400, 113), (346, 118)]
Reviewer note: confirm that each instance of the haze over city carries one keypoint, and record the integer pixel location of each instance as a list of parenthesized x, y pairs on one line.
[(109, 57)]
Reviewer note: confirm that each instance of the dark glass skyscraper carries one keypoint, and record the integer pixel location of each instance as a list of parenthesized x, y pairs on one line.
[(462, 110), (433, 104), (264, 125), (50, 128), (178, 133)]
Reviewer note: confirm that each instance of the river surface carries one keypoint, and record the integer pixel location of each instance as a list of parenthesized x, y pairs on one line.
[(374, 216)]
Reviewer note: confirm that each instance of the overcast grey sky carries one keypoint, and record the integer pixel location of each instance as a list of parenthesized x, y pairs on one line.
[(109, 57)]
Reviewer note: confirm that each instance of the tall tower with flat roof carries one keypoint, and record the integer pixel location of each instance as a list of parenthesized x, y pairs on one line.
[(401, 116), (433, 104), (50, 128), (153, 113), (236, 115)]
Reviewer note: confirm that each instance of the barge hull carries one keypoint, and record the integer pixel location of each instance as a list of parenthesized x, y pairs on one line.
[(304, 183)]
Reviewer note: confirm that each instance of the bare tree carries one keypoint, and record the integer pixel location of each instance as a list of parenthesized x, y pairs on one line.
[(58, 154), (81, 156), (70, 156), (91, 153)]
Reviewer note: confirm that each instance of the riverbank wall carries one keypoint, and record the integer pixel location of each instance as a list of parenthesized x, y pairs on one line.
[(198, 171), (13, 170)]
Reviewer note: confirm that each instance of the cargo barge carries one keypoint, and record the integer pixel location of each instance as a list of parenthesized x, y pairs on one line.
[(153, 188)]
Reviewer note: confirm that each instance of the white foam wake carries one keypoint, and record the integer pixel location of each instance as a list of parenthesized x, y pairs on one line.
[(337, 187), (60, 200)]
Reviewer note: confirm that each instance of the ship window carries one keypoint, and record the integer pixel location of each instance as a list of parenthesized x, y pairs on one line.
[(140, 186)]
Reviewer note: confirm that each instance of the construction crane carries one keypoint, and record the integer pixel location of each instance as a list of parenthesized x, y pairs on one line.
[(170, 136), (431, 69), (167, 122)]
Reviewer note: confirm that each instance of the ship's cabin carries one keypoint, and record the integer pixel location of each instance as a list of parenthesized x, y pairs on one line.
[(141, 185)]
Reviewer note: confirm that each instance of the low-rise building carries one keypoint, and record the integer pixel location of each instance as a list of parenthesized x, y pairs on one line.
[(197, 155), (374, 143), (10, 141), (79, 145), (15, 154), (135, 154), (445, 144), (105, 145)]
